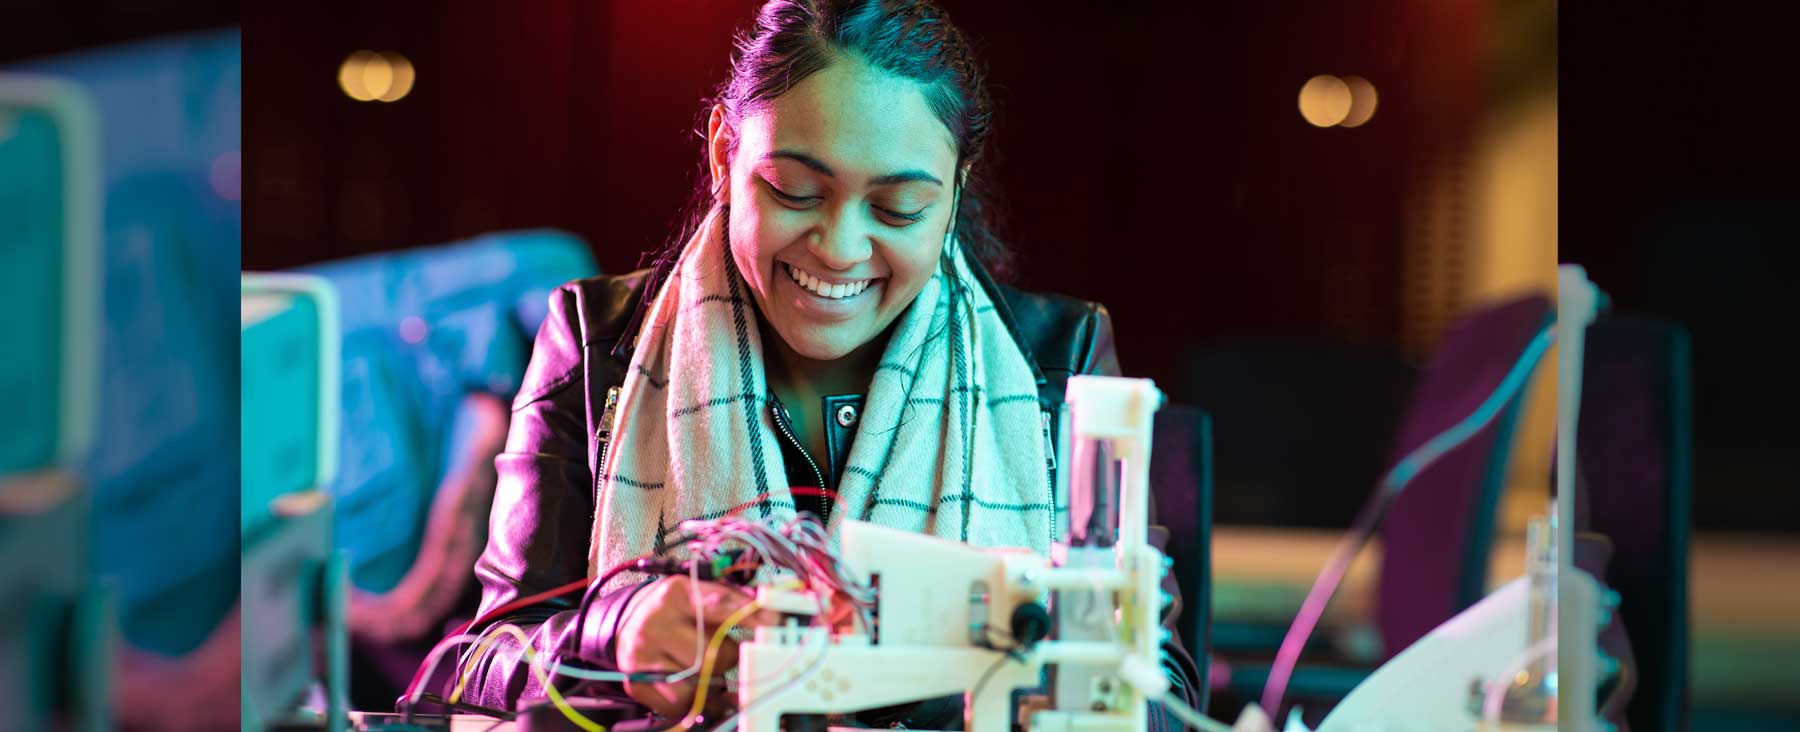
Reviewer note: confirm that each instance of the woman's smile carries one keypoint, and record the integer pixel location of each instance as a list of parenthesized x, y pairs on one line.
[(829, 298)]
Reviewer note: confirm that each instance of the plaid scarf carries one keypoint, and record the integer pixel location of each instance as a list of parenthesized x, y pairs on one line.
[(949, 442)]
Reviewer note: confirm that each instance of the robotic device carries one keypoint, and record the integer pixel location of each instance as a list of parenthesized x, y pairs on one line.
[(948, 618)]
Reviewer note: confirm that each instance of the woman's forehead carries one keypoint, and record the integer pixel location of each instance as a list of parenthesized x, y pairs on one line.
[(859, 122)]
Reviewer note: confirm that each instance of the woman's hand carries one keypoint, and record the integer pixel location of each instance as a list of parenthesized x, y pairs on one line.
[(657, 634)]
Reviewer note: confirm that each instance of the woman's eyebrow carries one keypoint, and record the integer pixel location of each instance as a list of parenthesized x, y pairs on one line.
[(904, 176)]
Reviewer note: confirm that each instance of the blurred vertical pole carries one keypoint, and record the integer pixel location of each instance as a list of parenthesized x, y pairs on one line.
[(1514, 216)]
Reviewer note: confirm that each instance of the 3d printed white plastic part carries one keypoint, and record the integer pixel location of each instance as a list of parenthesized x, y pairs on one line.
[(944, 612)]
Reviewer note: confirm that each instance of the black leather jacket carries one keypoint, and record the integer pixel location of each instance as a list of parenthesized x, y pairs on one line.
[(545, 500)]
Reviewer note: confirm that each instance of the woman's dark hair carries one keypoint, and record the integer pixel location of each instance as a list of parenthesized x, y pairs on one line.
[(791, 40)]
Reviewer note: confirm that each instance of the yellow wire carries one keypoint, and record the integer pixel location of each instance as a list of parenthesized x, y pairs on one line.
[(706, 667), (556, 697)]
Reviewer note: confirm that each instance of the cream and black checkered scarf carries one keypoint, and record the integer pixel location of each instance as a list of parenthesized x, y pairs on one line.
[(949, 443)]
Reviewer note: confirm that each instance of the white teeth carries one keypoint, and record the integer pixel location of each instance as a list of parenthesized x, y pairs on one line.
[(818, 287)]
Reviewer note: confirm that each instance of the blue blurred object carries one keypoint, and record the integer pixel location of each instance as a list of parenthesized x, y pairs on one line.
[(49, 203), (289, 346), (55, 620), (293, 581), (422, 328), (164, 467)]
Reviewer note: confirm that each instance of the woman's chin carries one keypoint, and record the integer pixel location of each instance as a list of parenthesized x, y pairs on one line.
[(826, 343)]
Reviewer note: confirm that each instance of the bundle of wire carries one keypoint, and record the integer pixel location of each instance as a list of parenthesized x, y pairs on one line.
[(725, 546), (798, 548)]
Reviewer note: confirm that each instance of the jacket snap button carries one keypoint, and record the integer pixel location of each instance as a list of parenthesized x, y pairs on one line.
[(846, 415)]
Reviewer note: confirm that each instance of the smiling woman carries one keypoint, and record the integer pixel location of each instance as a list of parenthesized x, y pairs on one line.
[(824, 336), (836, 185)]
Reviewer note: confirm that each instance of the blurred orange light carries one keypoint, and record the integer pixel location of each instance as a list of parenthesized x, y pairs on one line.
[(377, 77), (367, 76), (1362, 102), (1325, 100), (350, 76), (401, 77)]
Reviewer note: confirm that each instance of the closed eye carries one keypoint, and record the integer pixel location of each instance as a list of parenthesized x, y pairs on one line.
[(791, 200), (906, 218)]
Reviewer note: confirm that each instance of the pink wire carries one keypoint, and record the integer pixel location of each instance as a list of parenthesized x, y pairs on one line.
[(1316, 599)]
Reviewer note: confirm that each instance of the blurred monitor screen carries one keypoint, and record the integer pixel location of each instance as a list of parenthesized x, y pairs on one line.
[(49, 219), (288, 330)]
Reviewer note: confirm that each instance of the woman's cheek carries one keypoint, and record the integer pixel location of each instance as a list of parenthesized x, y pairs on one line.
[(919, 255)]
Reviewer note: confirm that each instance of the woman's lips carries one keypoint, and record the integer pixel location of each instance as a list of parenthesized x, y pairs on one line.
[(831, 305)]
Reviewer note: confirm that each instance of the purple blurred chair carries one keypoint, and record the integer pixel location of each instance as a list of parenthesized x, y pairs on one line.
[(1436, 535), (1181, 483)]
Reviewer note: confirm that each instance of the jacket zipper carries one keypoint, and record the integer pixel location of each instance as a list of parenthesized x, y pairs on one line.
[(781, 421), (1050, 472), (608, 414)]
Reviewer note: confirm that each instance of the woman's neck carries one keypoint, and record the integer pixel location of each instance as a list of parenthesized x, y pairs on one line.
[(793, 374)]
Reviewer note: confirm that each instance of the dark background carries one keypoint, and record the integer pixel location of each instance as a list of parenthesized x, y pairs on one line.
[(1679, 193), (39, 27), (1151, 155)]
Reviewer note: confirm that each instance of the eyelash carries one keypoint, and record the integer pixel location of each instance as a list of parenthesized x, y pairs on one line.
[(911, 218)]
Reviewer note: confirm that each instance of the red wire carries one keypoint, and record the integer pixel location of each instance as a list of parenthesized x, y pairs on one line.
[(418, 676), (799, 490)]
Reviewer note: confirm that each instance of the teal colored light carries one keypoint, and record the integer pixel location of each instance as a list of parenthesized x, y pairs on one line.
[(31, 288)]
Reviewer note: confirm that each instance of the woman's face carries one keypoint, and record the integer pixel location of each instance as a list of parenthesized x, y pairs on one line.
[(840, 194)]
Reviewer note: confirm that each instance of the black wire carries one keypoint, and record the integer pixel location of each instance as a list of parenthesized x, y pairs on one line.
[(588, 597), (1011, 654), (462, 706)]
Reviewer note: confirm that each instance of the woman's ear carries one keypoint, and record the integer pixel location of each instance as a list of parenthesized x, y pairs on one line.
[(718, 154)]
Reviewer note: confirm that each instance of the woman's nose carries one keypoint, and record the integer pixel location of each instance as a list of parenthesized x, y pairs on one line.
[(841, 243)]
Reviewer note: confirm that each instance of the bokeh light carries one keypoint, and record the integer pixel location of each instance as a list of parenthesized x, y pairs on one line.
[(401, 77), (1325, 100), (226, 176), (367, 76), (1362, 102)]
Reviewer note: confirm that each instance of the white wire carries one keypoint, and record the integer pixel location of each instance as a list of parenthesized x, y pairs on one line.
[(1190, 717), (559, 668), (792, 659), (432, 659), (731, 722), (781, 547), (800, 546)]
